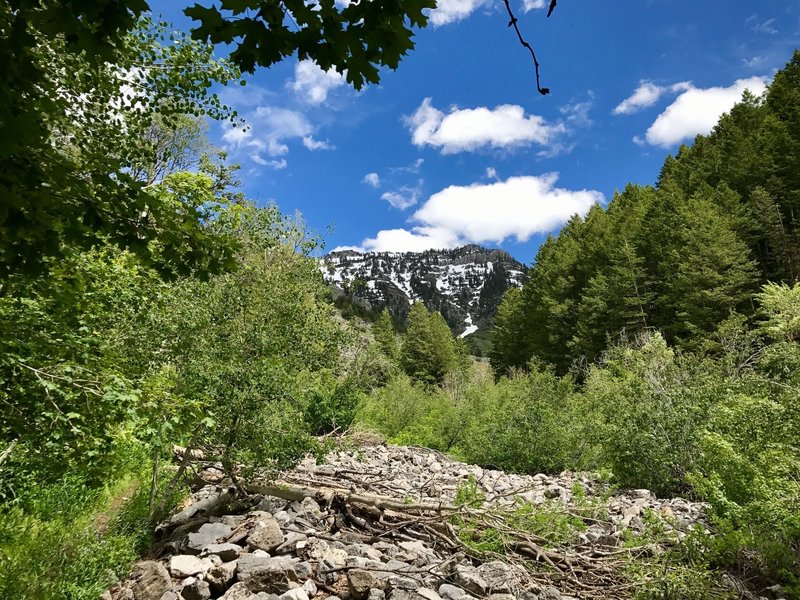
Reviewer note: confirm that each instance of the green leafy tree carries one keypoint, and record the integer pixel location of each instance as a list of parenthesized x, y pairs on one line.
[(615, 300), (249, 345), (73, 134), (66, 401), (356, 40), (714, 273)]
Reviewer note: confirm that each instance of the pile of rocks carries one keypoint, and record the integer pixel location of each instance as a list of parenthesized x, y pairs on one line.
[(304, 550), (424, 475)]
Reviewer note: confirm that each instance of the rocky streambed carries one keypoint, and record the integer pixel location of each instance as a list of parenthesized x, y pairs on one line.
[(381, 522)]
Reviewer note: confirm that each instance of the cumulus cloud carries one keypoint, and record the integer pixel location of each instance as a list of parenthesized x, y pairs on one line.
[(696, 111), (518, 208), (312, 84), (450, 11), (417, 239), (529, 5), (372, 179), (460, 130), (646, 95)]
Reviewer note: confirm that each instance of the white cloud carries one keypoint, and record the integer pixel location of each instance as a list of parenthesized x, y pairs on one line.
[(754, 62), (518, 207), (646, 95), (412, 168), (372, 179), (759, 26), (577, 113), (491, 173), (313, 84), (404, 197), (504, 126), (529, 5), (416, 240), (268, 128), (450, 11), (268, 132), (696, 111), (312, 144), (275, 164)]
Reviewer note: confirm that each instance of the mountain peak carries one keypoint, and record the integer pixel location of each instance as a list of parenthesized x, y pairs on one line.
[(465, 284)]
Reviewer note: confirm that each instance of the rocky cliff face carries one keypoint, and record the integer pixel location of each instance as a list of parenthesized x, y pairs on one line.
[(465, 284)]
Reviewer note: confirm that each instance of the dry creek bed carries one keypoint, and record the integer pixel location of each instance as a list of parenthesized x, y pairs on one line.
[(381, 522)]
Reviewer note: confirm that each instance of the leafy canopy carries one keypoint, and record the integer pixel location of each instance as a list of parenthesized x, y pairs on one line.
[(356, 40)]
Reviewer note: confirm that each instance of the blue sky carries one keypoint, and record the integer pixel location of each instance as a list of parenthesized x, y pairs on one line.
[(457, 146)]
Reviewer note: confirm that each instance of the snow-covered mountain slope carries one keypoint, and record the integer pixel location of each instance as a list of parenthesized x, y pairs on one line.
[(465, 284)]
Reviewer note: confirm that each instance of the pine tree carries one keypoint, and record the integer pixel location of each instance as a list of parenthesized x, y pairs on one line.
[(714, 274), (616, 300), (428, 350), (385, 336), (509, 346)]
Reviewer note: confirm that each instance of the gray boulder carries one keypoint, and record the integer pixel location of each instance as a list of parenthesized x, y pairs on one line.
[(238, 591), (360, 583), (221, 577), (266, 535), (208, 534), (452, 592), (295, 594), (227, 552), (187, 565), (470, 579), (196, 590), (499, 576), (272, 578), (149, 581), (376, 594)]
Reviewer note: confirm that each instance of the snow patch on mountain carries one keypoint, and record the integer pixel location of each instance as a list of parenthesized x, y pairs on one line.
[(463, 283), (470, 327)]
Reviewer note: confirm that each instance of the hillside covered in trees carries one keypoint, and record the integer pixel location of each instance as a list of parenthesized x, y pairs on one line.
[(684, 257), (656, 338)]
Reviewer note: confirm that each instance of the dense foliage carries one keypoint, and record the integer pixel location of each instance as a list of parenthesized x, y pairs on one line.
[(144, 303), (678, 258), (657, 339)]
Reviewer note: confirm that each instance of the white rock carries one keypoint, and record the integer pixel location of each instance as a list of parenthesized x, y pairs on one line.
[(186, 565)]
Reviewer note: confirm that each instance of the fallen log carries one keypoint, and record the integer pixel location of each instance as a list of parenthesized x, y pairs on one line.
[(329, 495)]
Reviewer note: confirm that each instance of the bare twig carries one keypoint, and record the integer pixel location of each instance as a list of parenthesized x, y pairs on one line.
[(525, 44)]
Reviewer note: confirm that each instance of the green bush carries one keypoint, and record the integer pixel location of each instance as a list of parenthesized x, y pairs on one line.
[(522, 423), (649, 409), (408, 413)]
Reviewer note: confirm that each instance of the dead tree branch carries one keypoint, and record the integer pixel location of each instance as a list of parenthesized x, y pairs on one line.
[(513, 23)]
